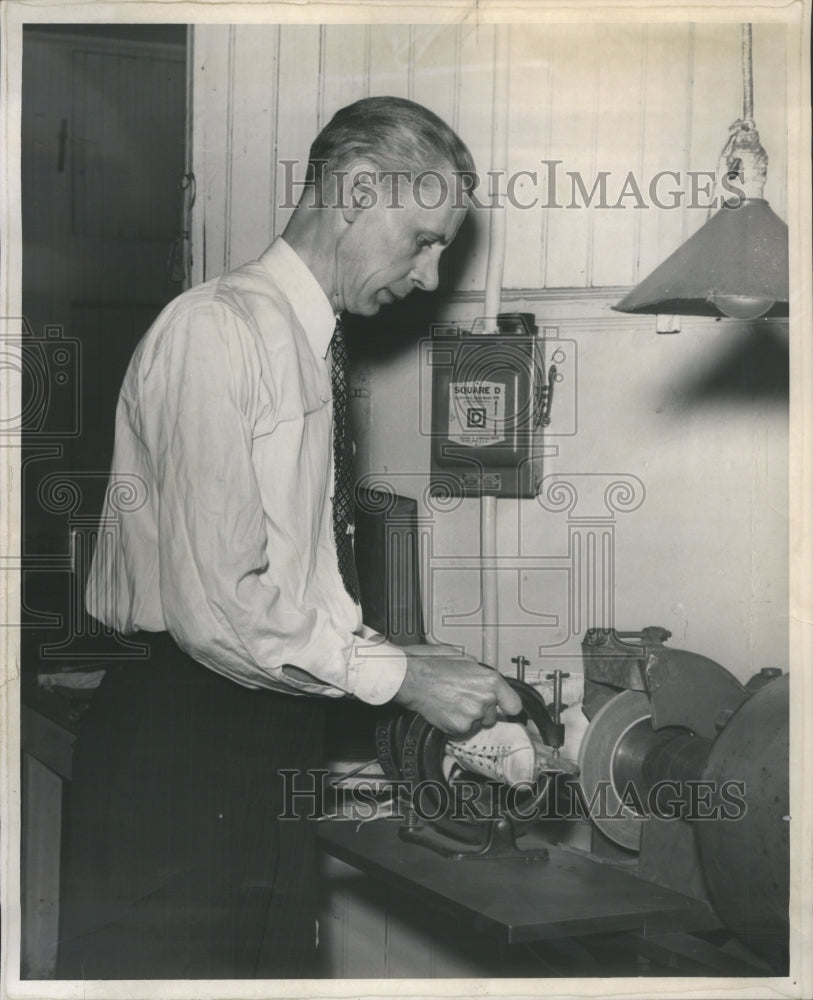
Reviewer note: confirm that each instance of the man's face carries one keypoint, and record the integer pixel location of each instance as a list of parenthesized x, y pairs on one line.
[(387, 251)]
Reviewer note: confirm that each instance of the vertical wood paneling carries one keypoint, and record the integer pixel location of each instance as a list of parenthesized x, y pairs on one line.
[(622, 97), (211, 148), (615, 98), (575, 79), (770, 45), (470, 252), (528, 139), (434, 69), (389, 60), (273, 149), (254, 71), (229, 175), (666, 121), (545, 214), (718, 85), (434, 83), (344, 67), (298, 107)]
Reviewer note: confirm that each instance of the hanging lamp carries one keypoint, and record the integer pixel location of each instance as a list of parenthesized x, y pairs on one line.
[(736, 264)]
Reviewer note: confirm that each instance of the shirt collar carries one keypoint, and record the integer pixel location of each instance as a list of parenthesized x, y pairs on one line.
[(303, 291)]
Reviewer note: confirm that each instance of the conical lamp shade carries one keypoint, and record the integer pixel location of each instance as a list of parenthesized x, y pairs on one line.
[(735, 265)]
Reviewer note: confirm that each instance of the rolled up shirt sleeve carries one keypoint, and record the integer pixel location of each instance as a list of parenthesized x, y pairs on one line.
[(377, 667)]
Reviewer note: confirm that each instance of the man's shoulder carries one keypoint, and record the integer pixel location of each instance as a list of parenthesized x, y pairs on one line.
[(247, 294), (253, 293)]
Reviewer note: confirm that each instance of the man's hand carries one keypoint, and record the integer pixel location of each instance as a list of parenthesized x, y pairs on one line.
[(453, 691)]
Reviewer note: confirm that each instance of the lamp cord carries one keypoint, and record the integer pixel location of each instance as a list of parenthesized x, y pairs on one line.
[(742, 156), (747, 75)]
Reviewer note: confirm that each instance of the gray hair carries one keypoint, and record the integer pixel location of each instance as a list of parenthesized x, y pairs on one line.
[(394, 134)]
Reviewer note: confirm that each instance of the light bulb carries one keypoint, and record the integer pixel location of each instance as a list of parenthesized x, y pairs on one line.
[(742, 306)]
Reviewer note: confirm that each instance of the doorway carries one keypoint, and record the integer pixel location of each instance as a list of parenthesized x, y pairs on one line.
[(105, 195)]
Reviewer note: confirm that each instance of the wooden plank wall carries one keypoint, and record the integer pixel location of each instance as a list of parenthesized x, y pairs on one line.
[(598, 98)]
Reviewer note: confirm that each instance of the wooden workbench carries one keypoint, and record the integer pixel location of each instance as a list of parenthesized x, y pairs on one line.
[(569, 895)]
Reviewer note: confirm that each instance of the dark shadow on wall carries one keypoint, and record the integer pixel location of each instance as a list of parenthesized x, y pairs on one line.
[(754, 368), (395, 329)]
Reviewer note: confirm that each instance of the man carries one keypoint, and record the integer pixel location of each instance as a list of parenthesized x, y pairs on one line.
[(229, 567)]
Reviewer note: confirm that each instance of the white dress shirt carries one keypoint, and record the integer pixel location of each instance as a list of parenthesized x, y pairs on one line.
[(225, 415)]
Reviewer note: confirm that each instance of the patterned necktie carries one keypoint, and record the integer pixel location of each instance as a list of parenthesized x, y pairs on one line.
[(343, 505)]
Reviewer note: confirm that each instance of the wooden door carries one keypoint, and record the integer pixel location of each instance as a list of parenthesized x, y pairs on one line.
[(103, 151)]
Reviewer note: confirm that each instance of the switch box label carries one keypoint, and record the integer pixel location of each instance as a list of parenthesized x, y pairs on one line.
[(476, 413)]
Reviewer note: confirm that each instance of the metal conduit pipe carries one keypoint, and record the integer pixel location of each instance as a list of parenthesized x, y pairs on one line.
[(493, 294)]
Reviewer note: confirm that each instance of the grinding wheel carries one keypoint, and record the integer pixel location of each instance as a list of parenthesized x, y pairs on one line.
[(597, 760)]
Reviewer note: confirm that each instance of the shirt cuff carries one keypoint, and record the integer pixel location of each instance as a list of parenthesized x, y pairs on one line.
[(378, 667)]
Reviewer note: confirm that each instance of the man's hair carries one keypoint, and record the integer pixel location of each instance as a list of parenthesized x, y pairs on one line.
[(391, 132)]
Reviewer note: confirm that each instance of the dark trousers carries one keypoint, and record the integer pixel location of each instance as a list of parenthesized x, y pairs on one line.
[(177, 865)]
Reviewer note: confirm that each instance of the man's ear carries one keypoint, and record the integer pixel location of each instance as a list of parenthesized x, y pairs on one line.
[(359, 187)]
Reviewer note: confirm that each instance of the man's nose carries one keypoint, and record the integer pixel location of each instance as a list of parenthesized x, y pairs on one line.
[(425, 274)]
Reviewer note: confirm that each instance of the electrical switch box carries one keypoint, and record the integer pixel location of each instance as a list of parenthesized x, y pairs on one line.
[(490, 401)]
